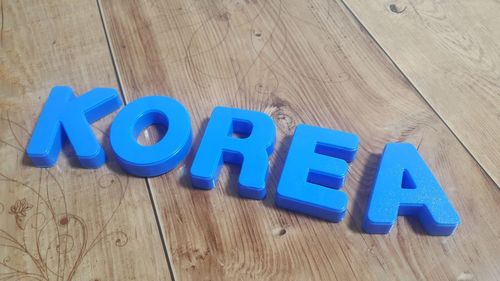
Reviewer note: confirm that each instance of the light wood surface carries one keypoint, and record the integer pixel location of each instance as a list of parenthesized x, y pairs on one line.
[(300, 62), (65, 223), (449, 50), (307, 62)]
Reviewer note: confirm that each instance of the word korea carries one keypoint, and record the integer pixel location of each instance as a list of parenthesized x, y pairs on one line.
[(314, 171)]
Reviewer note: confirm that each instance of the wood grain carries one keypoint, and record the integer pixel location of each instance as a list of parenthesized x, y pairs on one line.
[(300, 62), (65, 223), (449, 50)]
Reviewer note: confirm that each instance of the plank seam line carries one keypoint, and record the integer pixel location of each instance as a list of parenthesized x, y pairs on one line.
[(168, 258), (483, 170)]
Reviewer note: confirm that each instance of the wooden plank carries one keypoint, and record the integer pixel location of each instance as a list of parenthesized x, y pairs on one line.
[(300, 63), (449, 52), (65, 223)]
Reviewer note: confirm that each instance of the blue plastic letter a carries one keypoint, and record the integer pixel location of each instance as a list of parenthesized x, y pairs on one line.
[(405, 186)]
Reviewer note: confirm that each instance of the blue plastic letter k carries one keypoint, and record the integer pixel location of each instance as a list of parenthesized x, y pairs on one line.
[(67, 116)]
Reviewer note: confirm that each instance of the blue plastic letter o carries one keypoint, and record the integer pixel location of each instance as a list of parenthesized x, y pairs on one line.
[(163, 156)]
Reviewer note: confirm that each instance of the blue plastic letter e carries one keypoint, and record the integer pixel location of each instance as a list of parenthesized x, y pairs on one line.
[(315, 168)]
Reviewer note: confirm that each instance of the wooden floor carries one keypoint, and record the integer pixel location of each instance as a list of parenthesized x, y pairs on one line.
[(420, 71)]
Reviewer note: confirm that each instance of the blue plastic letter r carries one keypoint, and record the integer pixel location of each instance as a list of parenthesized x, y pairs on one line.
[(251, 152), (405, 186), (315, 168), (67, 116)]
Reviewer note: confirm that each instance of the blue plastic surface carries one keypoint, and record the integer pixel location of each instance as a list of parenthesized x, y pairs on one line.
[(161, 157), (405, 186), (251, 152), (315, 168), (66, 116)]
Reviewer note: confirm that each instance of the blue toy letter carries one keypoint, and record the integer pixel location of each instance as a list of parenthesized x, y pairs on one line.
[(163, 156), (315, 168), (252, 151), (65, 115), (405, 186)]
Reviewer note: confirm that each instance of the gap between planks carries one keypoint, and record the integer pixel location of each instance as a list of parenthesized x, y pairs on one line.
[(410, 82), (168, 257)]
